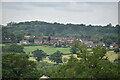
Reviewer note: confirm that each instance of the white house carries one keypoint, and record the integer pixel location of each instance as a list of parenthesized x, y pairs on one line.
[(24, 42)]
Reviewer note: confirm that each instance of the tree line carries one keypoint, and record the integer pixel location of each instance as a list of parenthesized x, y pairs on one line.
[(40, 28)]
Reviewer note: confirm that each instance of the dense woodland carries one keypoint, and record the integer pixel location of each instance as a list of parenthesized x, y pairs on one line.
[(15, 31)]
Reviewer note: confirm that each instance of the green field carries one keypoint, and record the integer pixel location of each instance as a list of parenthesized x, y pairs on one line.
[(111, 55), (49, 50), (2, 44)]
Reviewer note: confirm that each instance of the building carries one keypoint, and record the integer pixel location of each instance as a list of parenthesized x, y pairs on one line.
[(112, 46), (24, 42), (26, 37), (38, 41)]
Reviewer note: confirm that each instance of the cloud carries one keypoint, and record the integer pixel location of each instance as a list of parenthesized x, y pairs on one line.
[(15, 5), (60, 0), (64, 12), (48, 4)]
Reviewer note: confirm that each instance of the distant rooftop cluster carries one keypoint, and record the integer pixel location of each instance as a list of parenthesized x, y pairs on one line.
[(61, 41)]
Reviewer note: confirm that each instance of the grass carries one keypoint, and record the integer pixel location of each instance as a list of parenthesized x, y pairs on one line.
[(111, 55), (2, 44), (49, 50)]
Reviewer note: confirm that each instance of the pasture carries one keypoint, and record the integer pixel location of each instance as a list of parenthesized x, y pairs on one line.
[(110, 54), (47, 49), (2, 44)]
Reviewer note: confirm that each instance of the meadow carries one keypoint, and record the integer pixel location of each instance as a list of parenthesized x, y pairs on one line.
[(110, 54), (47, 49), (2, 44), (50, 50)]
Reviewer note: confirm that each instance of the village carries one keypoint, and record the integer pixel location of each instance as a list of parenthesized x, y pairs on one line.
[(61, 41)]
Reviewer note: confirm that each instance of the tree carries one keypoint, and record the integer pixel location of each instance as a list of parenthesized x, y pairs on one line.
[(49, 38), (117, 60), (13, 48), (116, 50), (109, 39), (92, 65), (45, 28), (19, 37), (17, 65), (73, 50), (75, 44), (56, 57), (66, 70), (39, 54), (46, 68), (8, 36), (31, 39)]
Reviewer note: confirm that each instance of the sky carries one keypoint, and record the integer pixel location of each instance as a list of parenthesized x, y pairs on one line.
[(95, 13)]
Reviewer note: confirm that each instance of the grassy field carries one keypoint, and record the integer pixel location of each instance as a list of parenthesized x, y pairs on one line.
[(49, 50), (111, 55), (2, 44)]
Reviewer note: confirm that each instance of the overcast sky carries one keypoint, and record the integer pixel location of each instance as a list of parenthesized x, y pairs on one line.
[(96, 13)]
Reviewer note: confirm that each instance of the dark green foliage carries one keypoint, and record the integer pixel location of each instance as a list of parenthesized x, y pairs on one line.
[(75, 44), (18, 66), (73, 50), (116, 50), (92, 65), (10, 37), (109, 39), (67, 70), (7, 36), (13, 48), (47, 68), (49, 38), (56, 57), (117, 60), (31, 40), (39, 54), (66, 30)]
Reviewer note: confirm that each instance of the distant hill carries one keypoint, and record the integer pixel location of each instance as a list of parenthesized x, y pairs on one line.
[(64, 30)]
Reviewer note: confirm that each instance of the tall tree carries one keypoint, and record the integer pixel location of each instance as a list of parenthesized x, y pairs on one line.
[(92, 65), (13, 48), (56, 57), (39, 54), (18, 66)]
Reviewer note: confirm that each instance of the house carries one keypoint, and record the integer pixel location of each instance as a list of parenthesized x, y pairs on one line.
[(45, 37), (45, 42), (38, 41), (24, 42), (26, 37), (112, 46), (53, 41)]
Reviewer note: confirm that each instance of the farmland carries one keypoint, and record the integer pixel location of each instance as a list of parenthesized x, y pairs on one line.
[(50, 50), (110, 54), (47, 49)]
